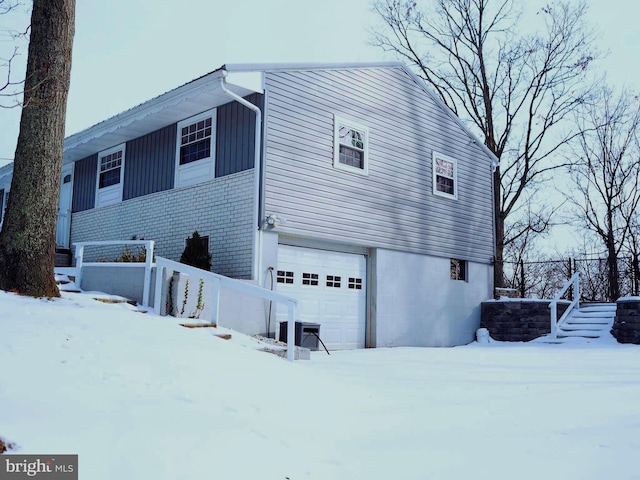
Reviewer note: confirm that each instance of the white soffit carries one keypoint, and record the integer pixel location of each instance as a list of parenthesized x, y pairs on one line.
[(171, 107)]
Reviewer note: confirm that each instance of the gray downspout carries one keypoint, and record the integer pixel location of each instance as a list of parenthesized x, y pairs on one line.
[(257, 253)]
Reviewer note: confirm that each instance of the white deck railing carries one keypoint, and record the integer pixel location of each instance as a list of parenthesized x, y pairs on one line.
[(167, 267), (555, 321), (148, 245)]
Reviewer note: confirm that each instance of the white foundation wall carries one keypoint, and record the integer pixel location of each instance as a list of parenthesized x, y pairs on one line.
[(415, 302)]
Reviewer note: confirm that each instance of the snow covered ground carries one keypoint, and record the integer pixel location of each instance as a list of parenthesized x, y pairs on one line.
[(139, 397)]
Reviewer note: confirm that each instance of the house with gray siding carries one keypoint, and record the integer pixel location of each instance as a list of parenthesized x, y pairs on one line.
[(350, 187)]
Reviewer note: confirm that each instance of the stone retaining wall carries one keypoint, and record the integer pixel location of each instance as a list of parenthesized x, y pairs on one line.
[(518, 320), (626, 327)]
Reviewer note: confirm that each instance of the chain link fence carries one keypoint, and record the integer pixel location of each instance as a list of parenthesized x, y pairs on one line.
[(543, 279)]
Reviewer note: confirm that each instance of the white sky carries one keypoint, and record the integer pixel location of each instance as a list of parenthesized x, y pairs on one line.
[(128, 51)]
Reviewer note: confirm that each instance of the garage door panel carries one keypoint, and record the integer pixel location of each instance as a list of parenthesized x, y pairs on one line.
[(320, 280)]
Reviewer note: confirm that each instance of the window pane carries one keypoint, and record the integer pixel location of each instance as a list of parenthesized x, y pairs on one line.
[(351, 157), (351, 137), (458, 269), (195, 151), (110, 177), (444, 168), (445, 185)]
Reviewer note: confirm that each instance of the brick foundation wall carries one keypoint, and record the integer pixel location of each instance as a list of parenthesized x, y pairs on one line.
[(626, 327), (221, 208)]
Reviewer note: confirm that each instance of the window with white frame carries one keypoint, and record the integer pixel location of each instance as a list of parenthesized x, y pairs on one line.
[(351, 146), (110, 176), (445, 171), (195, 149)]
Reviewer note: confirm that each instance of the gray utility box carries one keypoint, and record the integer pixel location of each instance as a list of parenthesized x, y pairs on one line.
[(306, 334)]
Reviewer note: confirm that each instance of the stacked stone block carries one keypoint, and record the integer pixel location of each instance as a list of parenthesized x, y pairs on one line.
[(626, 327), (518, 320)]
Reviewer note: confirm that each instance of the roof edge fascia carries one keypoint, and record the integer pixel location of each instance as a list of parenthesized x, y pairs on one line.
[(273, 67)]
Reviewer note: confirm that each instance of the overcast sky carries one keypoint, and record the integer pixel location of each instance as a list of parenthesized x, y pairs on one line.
[(128, 51)]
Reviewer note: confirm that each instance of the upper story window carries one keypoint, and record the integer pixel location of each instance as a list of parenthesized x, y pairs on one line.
[(195, 149), (445, 172), (110, 169), (351, 146), (110, 176), (195, 141)]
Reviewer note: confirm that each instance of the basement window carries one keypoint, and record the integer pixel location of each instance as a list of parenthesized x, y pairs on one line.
[(459, 269)]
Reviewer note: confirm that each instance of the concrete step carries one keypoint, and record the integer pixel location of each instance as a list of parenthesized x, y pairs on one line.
[(584, 326), (579, 334), (595, 313)]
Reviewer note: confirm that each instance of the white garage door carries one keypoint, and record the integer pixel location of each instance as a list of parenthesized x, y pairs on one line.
[(331, 290)]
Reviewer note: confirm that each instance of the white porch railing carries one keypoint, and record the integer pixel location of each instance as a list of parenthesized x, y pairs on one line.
[(575, 282), (148, 245), (167, 267)]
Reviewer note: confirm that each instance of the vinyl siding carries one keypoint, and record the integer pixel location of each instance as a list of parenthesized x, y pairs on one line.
[(84, 184), (394, 206), (149, 165), (235, 138)]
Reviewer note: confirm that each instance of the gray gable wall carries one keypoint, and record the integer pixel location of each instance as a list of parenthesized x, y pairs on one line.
[(394, 206)]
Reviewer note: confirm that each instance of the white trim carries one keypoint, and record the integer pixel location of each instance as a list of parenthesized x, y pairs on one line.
[(343, 122), (201, 170), (453, 161), (113, 193), (3, 203)]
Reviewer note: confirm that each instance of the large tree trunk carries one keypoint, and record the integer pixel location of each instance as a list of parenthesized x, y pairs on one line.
[(28, 237)]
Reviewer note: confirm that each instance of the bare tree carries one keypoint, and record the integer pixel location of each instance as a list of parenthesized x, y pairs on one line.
[(607, 177), (516, 88), (9, 85), (27, 240)]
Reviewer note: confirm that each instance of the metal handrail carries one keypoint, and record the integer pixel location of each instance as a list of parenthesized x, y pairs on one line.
[(148, 244), (575, 282), (164, 266)]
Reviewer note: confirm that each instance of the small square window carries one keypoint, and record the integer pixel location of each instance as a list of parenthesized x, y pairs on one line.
[(445, 173), (310, 279), (355, 283), (334, 281), (351, 146), (458, 269), (285, 277)]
